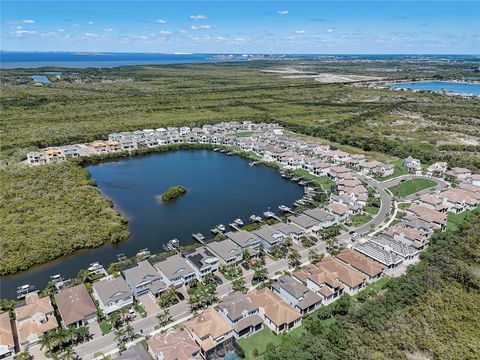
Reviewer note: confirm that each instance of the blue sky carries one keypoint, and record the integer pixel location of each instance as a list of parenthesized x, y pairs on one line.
[(243, 26)]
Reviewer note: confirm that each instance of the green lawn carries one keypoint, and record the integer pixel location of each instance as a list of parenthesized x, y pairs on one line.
[(398, 171), (322, 181), (409, 187), (258, 341), (373, 210), (360, 219), (105, 327), (454, 220)]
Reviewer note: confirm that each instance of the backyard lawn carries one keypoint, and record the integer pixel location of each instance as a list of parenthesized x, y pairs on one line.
[(409, 187), (454, 220), (322, 181), (258, 341)]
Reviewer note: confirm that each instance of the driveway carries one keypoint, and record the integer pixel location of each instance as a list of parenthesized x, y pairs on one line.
[(149, 304)]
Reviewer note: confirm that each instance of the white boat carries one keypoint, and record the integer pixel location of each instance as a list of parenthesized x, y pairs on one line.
[(23, 290), (56, 277), (284, 208), (255, 218), (198, 236), (238, 222), (268, 214), (144, 253), (172, 244), (221, 227), (94, 267)]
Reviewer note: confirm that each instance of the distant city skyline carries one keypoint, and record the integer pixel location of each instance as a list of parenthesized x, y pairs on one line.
[(316, 27)]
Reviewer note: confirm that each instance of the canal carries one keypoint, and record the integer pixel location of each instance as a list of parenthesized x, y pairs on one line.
[(221, 188)]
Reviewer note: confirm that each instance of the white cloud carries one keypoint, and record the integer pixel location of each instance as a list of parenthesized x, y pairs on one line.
[(198, 17), (28, 21), (183, 31), (329, 30), (60, 30), (301, 31), (282, 12), (200, 27), (163, 32), (108, 29), (160, 21), (91, 35), (90, 23), (25, 32)]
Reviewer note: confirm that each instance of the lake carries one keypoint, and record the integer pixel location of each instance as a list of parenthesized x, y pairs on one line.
[(438, 86), (40, 78), (220, 188)]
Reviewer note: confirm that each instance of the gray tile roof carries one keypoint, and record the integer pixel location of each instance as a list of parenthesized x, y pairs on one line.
[(235, 304), (288, 228), (269, 234), (174, 266), (303, 221), (200, 257), (242, 238), (112, 289), (320, 215), (142, 272), (225, 249)]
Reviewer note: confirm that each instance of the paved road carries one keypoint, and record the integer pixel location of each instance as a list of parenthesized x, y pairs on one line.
[(387, 199)]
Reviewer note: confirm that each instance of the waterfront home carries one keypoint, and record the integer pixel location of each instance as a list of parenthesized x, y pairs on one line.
[(352, 279), (406, 251), (269, 236), (139, 134), (321, 281), (338, 210), (460, 174), (409, 235), (324, 218), (298, 295), (211, 332), (69, 152), (412, 165), (75, 306), (128, 144), (143, 279), (227, 251), (437, 169), (53, 155), (372, 269), (7, 344), (246, 240), (113, 146), (241, 313), (35, 158), (33, 319), (202, 261), (379, 253), (175, 270), (289, 229), (337, 171), (277, 314), (116, 137), (175, 344), (305, 222), (321, 169), (99, 146), (112, 294), (436, 218)]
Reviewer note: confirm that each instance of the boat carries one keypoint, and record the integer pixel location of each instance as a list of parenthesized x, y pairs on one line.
[(172, 244), (221, 227), (23, 290), (239, 222), (255, 218), (216, 149), (56, 277), (94, 267), (121, 257), (230, 153), (214, 230), (144, 253), (268, 214), (284, 208), (198, 237)]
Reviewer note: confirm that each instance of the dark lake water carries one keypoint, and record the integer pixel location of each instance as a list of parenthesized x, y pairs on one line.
[(437, 86), (221, 188)]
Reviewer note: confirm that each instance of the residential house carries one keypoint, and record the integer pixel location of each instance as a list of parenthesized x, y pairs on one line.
[(246, 240), (7, 343), (475, 179), (35, 158), (33, 319), (129, 144), (112, 294), (298, 295), (277, 314), (269, 237), (99, 146), (412, 165), (409, 236), (143, 279), (75, 306), (227, 251), (321, 281), (241, 313), (436, 218), (352, 279), (324, 218), (202, 261), (134, 352), (437, 169), (69, 152), (457, 200), (306, 223), (338, 210), (383, 255), (113, 146), (460, 174), (432, 202), (407, 252), (53, 155), (289, 229), (211, 332), (175, 270), (175, 344), (372, 269)]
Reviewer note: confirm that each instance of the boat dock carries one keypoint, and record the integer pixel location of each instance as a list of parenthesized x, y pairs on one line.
[(199, 237), (234, 226), (269, 214), (285, 209)]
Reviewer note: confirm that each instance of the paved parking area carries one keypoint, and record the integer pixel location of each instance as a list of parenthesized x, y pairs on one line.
[(37, 352), (95, 330), (149, 304)]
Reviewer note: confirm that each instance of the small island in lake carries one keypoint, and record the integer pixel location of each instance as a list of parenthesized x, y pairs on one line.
[(172, 193)]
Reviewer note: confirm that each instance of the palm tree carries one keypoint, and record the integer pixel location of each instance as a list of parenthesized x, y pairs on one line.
[(69, 354), (46, 341), (293, 258), (246, 256), (239, 284), (24, 355), (164, 318), (82, 334), (287, 242), (130, 331), (260, 274), (119, 335)]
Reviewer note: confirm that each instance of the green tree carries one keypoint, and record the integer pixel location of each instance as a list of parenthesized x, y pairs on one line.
[(164, 318), (238, 284), (260, 275), (294, 258)]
